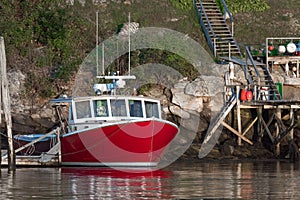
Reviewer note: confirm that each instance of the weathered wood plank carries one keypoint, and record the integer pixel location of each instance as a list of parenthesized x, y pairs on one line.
[(6, 106)]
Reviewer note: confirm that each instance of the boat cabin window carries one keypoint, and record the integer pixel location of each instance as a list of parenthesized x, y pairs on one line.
[(101, 109), (118, 107), (71, 116), (135, 108), (83, 109), (151, 109)]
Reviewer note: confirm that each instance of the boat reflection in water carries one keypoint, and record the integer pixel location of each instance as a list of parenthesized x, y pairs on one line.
[(111, 183), (194, 180)]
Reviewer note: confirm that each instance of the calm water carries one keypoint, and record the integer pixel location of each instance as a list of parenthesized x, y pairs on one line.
[(213, 180)]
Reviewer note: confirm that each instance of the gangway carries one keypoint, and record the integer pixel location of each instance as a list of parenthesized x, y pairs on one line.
[(213, 135)]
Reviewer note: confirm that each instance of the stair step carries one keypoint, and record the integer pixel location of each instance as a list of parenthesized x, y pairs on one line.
[(214, 21), (219, 26), (224, 47), (218, 31), (222, 42), (221, 34), (215, 17)]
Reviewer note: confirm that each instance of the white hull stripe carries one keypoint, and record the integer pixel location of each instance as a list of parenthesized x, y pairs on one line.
[(111, 164)]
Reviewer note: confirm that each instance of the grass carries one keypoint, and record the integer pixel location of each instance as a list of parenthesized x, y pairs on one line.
[(281, 20)]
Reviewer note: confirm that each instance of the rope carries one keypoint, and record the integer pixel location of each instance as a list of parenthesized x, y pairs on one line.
[(3, 134)]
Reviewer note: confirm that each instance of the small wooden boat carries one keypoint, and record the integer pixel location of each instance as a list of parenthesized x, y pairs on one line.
[(42, 146)]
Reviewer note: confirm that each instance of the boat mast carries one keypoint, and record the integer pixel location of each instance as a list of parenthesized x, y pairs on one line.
[(118, 77), (129, 44), (97, 51), (103, 73)]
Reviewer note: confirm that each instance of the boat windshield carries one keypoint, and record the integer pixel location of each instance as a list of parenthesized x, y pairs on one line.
[(118, 107), (151, 109), (135, 108), (101, 109), (83, 109), (113, 108)]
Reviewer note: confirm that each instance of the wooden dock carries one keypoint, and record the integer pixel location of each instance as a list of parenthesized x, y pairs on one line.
[(272, 115), (30, 161)]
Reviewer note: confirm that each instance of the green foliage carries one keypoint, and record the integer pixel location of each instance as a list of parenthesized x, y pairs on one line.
[(39, 86), (220, 5), (236, 6), (183, 4), (44, 32)]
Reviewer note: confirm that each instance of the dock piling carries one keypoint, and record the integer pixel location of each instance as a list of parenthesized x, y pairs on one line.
[(5, 107)]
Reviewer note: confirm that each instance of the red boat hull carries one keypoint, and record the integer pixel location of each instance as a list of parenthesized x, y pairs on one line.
[(132, 143)]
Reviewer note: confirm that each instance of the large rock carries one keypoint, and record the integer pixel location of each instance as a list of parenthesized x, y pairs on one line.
[(205, 86), (185, 101)]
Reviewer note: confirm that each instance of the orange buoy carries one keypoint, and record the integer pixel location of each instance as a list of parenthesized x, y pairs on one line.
[(243, 96), (271, 48), (249, 95)]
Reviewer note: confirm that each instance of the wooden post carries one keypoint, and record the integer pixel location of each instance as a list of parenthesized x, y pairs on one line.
[(292, 122), (0, 101), (278, 113), (6, 106), (238, 113), (0, 144), (259, 126), (0, 104)]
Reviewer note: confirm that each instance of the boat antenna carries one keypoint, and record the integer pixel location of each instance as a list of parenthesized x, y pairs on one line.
[(129, 44), (97, 51), (103, 59)]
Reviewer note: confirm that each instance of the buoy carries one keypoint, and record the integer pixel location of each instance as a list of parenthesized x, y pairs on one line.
[(243, 96), (249, 95), (271, 48), (281, 49), (291, 47)]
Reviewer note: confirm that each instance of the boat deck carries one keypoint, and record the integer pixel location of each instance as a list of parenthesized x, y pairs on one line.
[(271, 104)]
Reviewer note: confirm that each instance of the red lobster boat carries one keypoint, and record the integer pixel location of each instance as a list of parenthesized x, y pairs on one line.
[(111, 130)]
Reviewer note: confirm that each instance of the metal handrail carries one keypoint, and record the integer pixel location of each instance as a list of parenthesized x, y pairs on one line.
[(256, 71), (230, 16), (227, 10), (253, 63), (210, 42)]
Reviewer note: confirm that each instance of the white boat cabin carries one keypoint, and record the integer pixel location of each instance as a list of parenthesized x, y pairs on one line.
[(86, 112)]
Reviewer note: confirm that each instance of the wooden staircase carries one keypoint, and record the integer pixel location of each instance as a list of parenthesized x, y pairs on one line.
[(220, 38)]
